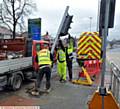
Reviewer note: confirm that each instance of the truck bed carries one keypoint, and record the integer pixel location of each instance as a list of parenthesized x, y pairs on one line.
[(15, 64)]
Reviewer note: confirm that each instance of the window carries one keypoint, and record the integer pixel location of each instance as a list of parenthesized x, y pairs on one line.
[(37, 47), (46, 45)]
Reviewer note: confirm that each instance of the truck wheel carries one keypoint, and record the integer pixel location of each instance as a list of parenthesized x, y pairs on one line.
[(17, 82)]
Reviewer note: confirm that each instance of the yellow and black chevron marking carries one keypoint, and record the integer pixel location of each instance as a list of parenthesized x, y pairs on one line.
[(89, 45)]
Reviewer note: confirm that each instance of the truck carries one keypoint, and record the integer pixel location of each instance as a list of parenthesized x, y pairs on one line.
[(89, 55), (89, 47), (18, 64)]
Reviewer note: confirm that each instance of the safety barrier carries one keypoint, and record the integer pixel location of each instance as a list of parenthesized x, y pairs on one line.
[(86, 81), (115, 81), (93, 67), (90, 70)]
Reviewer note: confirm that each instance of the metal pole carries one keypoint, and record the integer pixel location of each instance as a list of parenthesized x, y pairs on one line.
[(60, 27), (104, 36), (90, 22), (105, 33), (97, 29)]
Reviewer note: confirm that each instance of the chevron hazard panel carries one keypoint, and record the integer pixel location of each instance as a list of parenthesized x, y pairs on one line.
[(89, 46)]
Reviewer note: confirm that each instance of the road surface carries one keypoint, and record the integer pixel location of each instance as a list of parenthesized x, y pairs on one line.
[(62, 96)]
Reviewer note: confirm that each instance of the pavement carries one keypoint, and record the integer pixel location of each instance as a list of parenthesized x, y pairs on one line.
[(63, 95), (114, 57)]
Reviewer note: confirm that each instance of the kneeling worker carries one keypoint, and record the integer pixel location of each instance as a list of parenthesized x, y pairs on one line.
[(44, 59)]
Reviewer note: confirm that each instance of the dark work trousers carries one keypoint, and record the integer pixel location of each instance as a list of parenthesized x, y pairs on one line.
[(40, 74), (69, 65)]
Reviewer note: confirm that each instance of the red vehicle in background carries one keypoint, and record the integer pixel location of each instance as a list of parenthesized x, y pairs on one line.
[(47, 37), (19, 61), (36, 45)]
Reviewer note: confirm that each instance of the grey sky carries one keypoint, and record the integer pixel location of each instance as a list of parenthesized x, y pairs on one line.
[(51, 12)]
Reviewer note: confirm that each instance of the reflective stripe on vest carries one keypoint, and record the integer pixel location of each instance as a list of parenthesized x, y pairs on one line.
[(44, 57), (62, 56)]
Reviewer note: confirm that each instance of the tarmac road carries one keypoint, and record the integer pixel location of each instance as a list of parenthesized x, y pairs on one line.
[(63, 95)]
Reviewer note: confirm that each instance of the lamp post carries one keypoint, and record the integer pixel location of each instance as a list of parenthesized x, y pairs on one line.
[(98, 15), (90, 22)]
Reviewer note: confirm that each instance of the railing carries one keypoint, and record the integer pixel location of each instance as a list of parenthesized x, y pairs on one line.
[(115, 81)]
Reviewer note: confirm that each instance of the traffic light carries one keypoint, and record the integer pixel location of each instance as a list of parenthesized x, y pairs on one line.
[(66, 25), (111, 13)]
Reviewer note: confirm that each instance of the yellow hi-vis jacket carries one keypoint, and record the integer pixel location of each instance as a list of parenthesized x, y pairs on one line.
[(70, 47), (61, 54), (44, 57), (69, 50)]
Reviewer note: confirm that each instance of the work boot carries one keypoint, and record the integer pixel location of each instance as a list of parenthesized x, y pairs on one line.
[(70, 80), (48, 90), (63, 81), (60, 79), (35, 93)]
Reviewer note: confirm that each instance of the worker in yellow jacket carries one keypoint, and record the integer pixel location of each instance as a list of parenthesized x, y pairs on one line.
[(61, 59), (69, 56), (44, 59)]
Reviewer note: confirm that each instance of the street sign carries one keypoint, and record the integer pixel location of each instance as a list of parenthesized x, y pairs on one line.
[(34, 28)]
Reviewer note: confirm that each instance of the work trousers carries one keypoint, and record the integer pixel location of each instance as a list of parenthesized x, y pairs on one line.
[(69, 65), (40, 74), (62, 70)]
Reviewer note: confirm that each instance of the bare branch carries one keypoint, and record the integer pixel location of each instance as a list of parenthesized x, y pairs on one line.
[(8, 18), (3, 21), (18, 6), (25, 11), (12, 11), (20, 12), (9, 21), (6, 6), (21, 26)]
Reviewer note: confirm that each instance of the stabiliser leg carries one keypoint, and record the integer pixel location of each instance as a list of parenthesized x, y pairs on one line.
[(87, 80), (109, 100)]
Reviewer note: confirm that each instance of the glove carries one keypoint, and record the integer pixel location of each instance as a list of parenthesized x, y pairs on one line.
[(52, 65)]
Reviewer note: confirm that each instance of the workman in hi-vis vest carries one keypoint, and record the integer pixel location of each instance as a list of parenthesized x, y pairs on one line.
[(61, 60), (44, 59), (69, 55)]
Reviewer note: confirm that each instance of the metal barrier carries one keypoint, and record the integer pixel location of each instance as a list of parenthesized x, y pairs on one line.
[(115, 81)]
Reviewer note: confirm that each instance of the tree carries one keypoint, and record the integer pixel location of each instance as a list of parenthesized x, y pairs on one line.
[(12, 11)]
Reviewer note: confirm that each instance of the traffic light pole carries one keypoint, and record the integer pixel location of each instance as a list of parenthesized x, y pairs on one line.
[(102, 89), (59, 30)]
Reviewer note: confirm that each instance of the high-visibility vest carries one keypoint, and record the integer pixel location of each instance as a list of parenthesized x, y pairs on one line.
[(70, 47), (70, 50), (62, 56), (44, 57)]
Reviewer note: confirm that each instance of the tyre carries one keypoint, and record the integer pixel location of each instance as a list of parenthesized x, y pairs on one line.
[(17, 82)]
